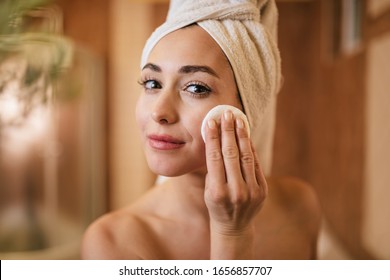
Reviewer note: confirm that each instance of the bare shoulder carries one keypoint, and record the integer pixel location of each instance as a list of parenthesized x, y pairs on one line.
[(296, 196), (295, 212), (294, 193), (110, 237), (127, 233)]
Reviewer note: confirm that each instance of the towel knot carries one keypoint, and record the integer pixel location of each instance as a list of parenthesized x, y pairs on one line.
[(213, 10)]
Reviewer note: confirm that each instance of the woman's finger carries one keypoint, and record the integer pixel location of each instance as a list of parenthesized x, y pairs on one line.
[(214, 160), (230, 151), (247, 158), (259, 173)]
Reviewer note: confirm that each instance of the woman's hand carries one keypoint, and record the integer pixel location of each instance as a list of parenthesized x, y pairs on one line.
[(235, 185)]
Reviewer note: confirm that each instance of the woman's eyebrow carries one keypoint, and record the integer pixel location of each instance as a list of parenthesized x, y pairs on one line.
[(187, 69), (152, 67)]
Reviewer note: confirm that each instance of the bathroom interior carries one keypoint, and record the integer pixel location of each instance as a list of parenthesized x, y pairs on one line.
[(69, 146)]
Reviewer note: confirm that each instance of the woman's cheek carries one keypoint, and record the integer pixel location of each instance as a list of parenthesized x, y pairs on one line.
[(141, 113), (197, 123), (197, 135)]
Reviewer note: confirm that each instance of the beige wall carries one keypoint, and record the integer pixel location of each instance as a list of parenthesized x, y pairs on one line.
[(376, 226), (130, 26)]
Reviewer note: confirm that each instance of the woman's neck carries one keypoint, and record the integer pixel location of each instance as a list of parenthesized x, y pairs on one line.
[(188, 195)]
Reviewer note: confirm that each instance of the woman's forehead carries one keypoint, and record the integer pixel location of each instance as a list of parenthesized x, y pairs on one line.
[(189, 46)]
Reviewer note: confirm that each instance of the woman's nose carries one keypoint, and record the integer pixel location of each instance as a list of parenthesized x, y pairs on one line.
[(165, 108)]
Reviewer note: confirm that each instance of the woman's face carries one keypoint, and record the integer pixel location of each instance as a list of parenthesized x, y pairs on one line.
[(186, 75)]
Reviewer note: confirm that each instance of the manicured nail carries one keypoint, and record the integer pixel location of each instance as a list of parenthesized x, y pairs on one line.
[(228, 115), (240, 123), (211, 123)]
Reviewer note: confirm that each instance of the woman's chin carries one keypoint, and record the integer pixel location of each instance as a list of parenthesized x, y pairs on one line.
[(170, 170), (166, 171)]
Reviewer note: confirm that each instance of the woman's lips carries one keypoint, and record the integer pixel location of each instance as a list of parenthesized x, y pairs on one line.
[(165, 142)]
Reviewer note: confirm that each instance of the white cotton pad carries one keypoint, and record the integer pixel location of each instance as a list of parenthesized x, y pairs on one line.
[(216, 114)]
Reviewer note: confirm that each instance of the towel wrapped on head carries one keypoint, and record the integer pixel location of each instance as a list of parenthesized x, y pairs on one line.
[(246, 31)]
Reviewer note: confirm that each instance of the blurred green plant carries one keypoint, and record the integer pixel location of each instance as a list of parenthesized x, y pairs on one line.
[(13, 11), (31, 59)]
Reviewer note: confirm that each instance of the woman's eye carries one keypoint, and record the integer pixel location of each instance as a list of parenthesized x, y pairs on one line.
[(151, 84), (198, 89)]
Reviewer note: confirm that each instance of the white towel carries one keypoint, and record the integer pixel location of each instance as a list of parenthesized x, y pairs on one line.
[(246, 31)]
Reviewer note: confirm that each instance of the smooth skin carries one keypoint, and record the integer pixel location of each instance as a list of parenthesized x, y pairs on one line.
[(217, 203)]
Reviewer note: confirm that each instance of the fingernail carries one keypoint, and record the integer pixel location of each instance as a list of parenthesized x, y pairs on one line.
[(228, 115), (211, 123), (239, 123)]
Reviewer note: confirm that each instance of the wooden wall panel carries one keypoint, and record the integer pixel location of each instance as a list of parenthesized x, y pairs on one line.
[(320, 135), (88, 26), (87, 23), (297, 41)]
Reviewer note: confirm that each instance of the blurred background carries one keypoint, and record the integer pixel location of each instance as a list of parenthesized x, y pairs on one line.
[(69, 146)]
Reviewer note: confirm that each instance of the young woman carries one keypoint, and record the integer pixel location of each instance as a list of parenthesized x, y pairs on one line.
[(216, 203)]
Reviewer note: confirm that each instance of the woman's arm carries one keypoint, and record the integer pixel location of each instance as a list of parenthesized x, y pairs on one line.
[(235, 188)]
